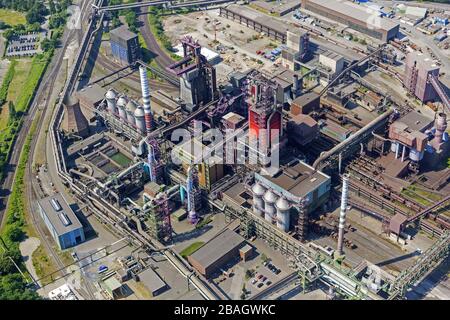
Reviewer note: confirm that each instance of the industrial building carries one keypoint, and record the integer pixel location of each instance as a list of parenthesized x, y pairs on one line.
[(419, 70), (255, 20), (153, 282), (197, 76), (355, 17), (217, 252), (330, 65), (297, 186), (125, 45), (61, 221)]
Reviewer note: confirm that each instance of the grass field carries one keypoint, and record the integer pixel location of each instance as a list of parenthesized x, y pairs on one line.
[(191, 249), (20, 77), (12, 17)]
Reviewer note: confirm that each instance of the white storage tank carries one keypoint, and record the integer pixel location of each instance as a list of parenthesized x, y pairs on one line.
[(121, 103), (111, 97), (394, 146), (139, 116), (130, 109), (258, 203), (269, 205), (415, 155), (283, 214)]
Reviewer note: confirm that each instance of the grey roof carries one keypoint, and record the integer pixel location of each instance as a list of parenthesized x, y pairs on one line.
[(258, 17), (217, 247), (151, 280), (123, 33), (416, 121), (349, 9), (53, 215), (297, 179), (94, 94), (306, 98)]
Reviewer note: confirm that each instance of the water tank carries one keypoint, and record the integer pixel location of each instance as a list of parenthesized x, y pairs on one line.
[(121, 103), (111, 97), (269, 205), (139, 116), (258, 203), (130, 109), (394, 146), (283, 211), (415, 155)]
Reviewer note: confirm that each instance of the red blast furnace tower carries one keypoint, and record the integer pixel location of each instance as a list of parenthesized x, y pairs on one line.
[(263, 114)]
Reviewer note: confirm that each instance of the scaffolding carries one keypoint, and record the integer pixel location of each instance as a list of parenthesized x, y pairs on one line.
[(303, 221), (155, 162), (158, 219)]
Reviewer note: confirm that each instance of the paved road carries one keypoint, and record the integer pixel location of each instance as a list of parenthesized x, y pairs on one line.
[(161, 57)]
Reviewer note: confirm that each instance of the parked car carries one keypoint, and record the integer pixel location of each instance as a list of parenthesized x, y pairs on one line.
[(278, 271), (254, 281), (259, 276), (260, 285), (102, 269), (268, 283), (264, 278)]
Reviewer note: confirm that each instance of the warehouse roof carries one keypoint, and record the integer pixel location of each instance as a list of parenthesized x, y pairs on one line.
[(355, 11), (122, 32), (296, 179), (416, 121), (152, 280), (305, 98), (217, 247), (259, 18), (63, 220)]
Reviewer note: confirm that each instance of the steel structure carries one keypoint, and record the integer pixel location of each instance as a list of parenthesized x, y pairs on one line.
[(426, 262), (156, 166)]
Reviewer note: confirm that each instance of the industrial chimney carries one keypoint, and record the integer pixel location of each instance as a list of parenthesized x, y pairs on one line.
[(342, 214), (146, 98)]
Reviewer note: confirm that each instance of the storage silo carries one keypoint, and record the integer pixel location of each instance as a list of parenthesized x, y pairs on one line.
[(111, 100), (269, 205), (283, 214), (139, 116), (130, 109), (258, 202), (121, 103)]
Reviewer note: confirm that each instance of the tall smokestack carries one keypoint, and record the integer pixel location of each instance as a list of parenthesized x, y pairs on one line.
[(342, 214), (146, 98)]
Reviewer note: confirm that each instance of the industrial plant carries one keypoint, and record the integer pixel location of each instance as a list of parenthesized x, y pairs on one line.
[(308, 160)]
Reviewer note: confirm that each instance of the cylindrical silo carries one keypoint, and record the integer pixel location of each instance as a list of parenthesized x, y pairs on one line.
[(111, 97), (441, 126), (415, 155), (130, 109), (269, 205), (121, 103), (283, 212), (139, 116), (258, 202)]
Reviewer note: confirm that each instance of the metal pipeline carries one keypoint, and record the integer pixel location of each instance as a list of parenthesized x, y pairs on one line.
[(338, 148)]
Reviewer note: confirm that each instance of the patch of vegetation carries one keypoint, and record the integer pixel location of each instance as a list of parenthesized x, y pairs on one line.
[(6, 82), (12, 284), (38, 67), (42, 265), (191, 249), (12, 17), (203, 222), (157, 28)]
